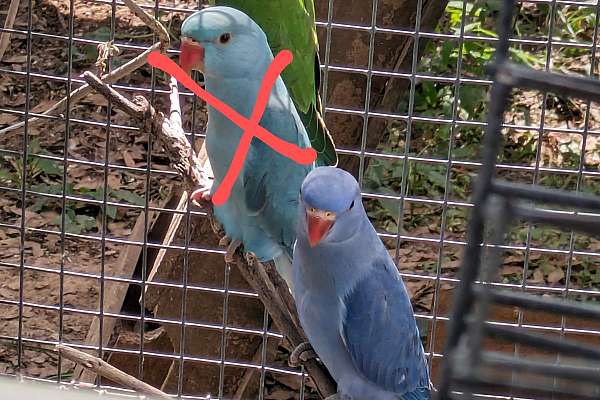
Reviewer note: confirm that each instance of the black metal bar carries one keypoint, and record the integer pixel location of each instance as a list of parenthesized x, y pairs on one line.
[(552, 196), (498, 360), (565, 85), (533, 302), (581, 223), (518, 335), (482, 383), (491, 145)]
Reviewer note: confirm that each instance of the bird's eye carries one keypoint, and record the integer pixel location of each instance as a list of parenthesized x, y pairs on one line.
[(351, 205), (224, 38), (312, 209), (328, 214)]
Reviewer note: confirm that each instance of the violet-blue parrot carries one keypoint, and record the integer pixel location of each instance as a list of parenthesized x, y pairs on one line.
[(232, 52), (350, 298)]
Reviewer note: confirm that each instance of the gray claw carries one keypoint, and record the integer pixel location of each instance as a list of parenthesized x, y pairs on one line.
[(225, 240), (300, 354), (250, 258), (216, 227), (231, 249)]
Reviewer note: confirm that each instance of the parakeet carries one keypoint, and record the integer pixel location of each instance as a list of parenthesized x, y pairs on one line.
[(350, 298), (232, 52), (291, 25)]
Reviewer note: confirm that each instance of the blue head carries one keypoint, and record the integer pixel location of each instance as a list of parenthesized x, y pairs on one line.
[(330, 206), (223, 42)]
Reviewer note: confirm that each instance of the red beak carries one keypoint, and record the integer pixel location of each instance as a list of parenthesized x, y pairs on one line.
[(317, 228), (191, 56)]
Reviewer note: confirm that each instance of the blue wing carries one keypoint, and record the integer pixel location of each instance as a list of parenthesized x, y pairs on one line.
[(380, 332), (271, 181)]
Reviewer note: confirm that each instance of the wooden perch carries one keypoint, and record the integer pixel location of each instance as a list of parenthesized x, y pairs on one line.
[(262, 277), (106, 370)]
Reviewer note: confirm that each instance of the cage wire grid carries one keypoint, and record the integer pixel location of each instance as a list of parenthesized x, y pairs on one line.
[(404, 200)]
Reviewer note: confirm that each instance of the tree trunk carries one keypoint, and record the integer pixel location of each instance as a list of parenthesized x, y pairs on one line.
[(350, 48)]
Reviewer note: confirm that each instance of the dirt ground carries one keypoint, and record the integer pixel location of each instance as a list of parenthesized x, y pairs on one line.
[(45, 253)]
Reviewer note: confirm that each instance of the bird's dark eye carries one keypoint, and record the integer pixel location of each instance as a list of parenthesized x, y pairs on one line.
[(351, 205), (224, 38)]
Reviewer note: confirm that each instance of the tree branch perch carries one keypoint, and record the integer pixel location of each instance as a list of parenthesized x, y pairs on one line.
[(106, 370), (262, 277)]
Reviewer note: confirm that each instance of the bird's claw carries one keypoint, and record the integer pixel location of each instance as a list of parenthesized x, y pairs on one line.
[(302, 353), (225, 241), (201, 197), (250, 258), (216, 227), (231, 249)]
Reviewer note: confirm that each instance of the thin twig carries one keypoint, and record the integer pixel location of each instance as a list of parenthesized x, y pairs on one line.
[(183, 159), (175, 116), (262, 277), (152, 23), (124, 70), (106, 370), (79, 93), (8, 24)]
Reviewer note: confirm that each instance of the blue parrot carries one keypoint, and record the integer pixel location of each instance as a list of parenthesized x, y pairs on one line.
[(232, 52), (350, 298)]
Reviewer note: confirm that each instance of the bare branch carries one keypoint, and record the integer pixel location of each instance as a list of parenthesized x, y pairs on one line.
[(8, 24), (152, 23), (175, 116), (106, 370), (79, 93), (262, 277), (183, 159)]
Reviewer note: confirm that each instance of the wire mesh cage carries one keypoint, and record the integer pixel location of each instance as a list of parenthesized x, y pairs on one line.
[(88, 256), (469, 364)]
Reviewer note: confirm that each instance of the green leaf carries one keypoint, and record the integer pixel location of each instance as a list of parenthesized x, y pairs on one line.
[(49, 167), (129, 197), (111, 211)]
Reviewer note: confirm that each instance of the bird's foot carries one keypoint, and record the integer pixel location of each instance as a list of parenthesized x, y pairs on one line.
[(232, 246), (300, 354), (201, 197), (250, 258), (216, 227), (225, 241)]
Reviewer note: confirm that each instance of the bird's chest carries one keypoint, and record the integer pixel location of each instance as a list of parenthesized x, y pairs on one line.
[(222, 140), (321, 319)]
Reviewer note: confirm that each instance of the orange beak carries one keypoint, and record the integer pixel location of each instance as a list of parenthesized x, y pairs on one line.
[(191, 56), (317, 228)]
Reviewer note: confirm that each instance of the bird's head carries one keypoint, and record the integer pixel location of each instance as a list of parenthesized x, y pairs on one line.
[(223, 42), (330, 206)]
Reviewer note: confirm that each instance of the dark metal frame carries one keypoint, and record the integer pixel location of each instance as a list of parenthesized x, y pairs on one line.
[(467, 368)]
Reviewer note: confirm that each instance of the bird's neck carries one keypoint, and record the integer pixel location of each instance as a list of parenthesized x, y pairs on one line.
[(334, 260), (239, 94)]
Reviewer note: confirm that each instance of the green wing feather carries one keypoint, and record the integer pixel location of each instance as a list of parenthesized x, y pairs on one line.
[(291, 25)]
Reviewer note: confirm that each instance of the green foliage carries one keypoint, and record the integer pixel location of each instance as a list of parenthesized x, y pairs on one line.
[(437, 100), (45, 175)]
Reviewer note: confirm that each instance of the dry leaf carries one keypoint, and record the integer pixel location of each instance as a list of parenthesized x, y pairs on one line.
[(90, 182), (114, 181), (43, 106), (555, 276), (538, 276), (128, 159), (6, 119), (17, 59), (511, 270)]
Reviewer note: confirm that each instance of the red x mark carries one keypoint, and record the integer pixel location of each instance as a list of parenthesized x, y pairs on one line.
[(250, 126)]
